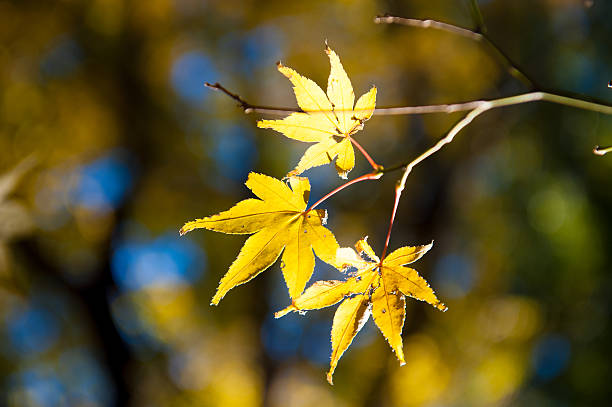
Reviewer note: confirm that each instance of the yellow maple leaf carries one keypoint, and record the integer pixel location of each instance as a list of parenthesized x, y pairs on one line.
[(280, 222), (376, 288), (327, 120)]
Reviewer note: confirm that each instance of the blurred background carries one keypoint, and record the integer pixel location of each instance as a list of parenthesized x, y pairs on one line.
[(109, 142)]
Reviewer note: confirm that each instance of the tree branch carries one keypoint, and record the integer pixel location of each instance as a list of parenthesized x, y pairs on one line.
[(484, 105), (512, 68), (399, 188), (602, 150), (437, 25), (371, 176), (441, 108), (248, 107)]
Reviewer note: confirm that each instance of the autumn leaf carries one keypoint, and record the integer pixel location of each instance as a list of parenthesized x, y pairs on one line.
[(327, 120), (376, 288), (279, 223)]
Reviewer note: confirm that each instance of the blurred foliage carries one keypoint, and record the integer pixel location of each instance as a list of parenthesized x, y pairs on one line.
[(101, 303)]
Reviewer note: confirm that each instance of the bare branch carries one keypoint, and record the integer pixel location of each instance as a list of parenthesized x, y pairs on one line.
[(426, 109), (376, 174), (444, 108), (467, 119), (602, 150), (399, 188), (438, 25), (246, 106), (381, 111), (477, 16), (512, 68), (484, 105)]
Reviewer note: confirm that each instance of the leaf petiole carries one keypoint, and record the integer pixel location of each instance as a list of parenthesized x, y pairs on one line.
[(375, 166), (373, 175)]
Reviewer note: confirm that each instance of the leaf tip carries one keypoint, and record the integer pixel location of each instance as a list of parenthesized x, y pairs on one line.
[(400, 356), (283, 312), (330, 378), (185, 229), (428, 246), (287, 72), (328, 50), (252, 177), (441, 306), (215, 300)]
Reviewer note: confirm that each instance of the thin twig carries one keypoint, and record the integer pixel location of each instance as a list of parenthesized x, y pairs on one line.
[(370, 176), (442, 108), (511, 66), (217, 86), (376, 167), (602, 150), (461, 124), (483, 106), (399, 188), (477, 16), (438, 25), (426, 109), (381, 111), (248, 107), (398, 193)]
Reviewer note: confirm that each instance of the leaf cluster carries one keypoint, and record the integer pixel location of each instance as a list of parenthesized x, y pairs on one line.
[(282, 224)]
